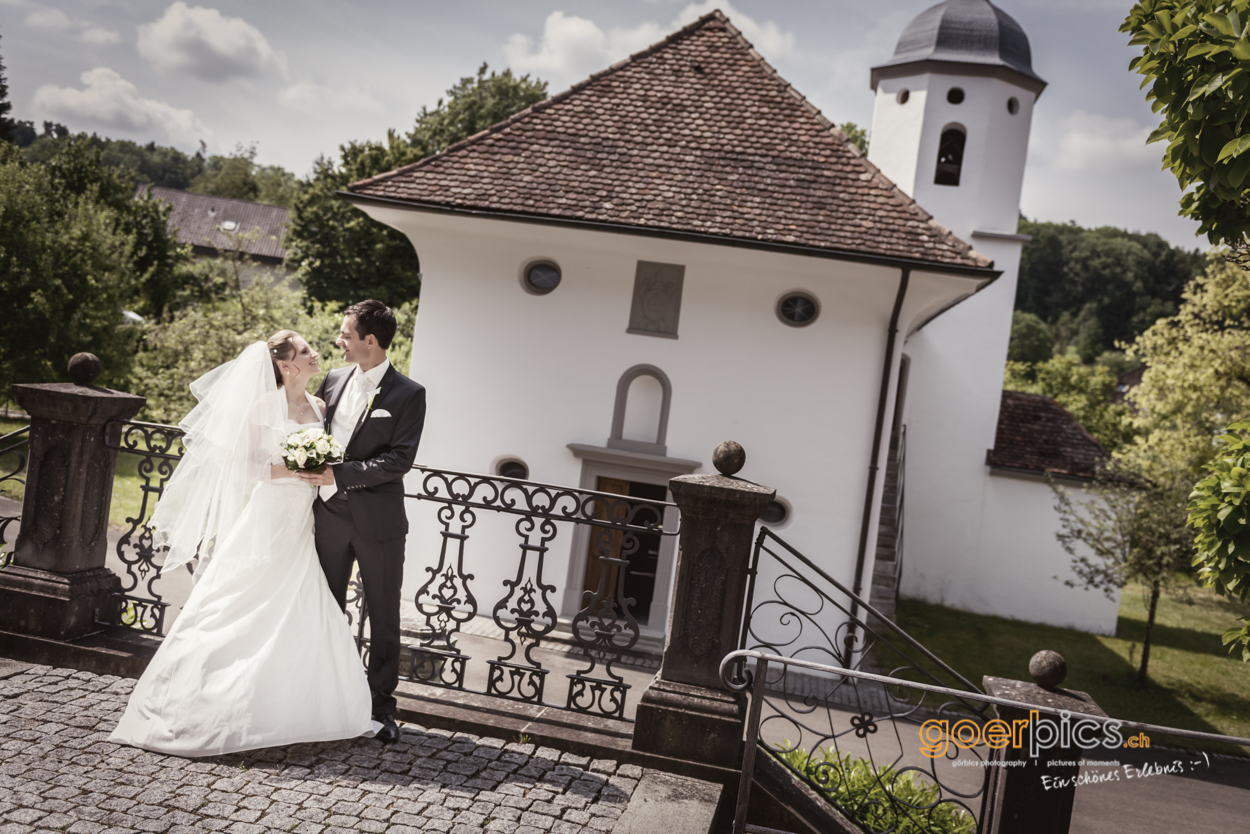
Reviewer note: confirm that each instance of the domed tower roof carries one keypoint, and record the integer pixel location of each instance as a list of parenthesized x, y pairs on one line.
[(965, 37)]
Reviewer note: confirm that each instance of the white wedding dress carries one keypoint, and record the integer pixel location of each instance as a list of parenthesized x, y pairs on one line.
[(261, 654)]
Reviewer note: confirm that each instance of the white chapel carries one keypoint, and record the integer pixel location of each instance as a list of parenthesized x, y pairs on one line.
[(681, 250)]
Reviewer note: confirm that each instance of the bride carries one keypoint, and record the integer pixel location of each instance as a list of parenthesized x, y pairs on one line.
[(261, 654)]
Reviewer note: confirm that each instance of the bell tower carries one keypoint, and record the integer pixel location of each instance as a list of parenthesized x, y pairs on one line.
[(951, 128), (953, 108)]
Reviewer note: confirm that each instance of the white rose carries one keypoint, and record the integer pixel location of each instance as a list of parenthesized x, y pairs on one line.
[(301, 456), (323, 445)]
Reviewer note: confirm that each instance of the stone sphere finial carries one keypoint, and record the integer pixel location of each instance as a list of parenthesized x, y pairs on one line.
[(84, 368), (1048, 668), (729, 457)]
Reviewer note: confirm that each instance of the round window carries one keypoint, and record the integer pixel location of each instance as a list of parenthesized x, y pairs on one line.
[(1013, 105), (775, 513), (541, 277), (798, 309), (512, 468), (903, 95), (955, 95)]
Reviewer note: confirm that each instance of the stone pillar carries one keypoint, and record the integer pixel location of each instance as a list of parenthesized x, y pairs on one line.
[(1017, 800), (57, 579), (685, 712)]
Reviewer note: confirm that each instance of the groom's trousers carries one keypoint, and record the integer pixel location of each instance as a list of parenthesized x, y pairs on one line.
[(339, 544)]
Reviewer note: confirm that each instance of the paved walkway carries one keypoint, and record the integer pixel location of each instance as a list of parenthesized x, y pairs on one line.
[(58, 772)]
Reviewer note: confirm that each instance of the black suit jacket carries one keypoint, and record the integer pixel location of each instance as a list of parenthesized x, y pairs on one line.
[(380, 452)]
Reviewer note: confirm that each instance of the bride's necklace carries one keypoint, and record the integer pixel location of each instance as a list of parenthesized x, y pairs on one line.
[(300, 411)]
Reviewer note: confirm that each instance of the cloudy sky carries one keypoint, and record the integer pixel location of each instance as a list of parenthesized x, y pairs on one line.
[(297, 77)]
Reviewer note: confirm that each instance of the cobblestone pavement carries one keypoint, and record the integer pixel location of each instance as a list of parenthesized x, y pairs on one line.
[(58, 772)]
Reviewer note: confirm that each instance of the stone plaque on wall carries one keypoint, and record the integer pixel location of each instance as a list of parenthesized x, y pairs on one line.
[(657, 299)]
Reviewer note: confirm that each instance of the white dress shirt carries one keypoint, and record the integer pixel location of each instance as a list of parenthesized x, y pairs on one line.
[(351, 405)]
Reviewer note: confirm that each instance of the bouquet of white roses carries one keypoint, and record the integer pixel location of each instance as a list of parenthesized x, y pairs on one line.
[(310, 450)]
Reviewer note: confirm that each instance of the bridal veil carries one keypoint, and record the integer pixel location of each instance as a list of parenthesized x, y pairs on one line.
[(232, 436)]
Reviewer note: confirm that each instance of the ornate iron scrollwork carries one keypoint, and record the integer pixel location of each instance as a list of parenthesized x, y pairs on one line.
[(13, 451), (804, 614), (139, 605), (603, 629)]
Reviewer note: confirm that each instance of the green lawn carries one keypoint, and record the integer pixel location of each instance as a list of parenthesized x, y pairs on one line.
[(1194, 683), (127, 482)]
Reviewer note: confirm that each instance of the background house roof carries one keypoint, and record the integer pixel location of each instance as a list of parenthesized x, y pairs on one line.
[(1037, 434), (696, 135), (258, 228)]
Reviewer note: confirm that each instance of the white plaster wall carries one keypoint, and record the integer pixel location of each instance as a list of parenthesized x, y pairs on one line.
[(510, 373), (1016, 568)]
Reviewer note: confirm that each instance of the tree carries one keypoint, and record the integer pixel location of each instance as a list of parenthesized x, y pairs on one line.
[(1031, 339), (1198, 367), (67, 268), (1195, 56), (1220, 514), (1085, 391), (474, 104), (342, 254), (7, 125), (1098, 287), (1197, 382), (229, 176), (149, 164), (1129, 528), (856, 135)]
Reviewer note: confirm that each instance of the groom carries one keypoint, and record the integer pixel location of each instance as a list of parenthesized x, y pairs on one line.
[(376, 414)]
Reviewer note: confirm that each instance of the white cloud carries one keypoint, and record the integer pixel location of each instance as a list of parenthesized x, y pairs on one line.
[(207, 44), (316, 98), (572, 48), (58, 21), (767, 37), (96, 34), (110, 102), (1091, 141), (49, 18)]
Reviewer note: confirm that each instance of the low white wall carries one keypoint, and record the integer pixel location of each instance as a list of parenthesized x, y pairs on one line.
[(1017, 568)]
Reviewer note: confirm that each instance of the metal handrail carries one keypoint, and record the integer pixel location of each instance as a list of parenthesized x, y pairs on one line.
[(553, 492), (12, 434), (735, 662), (765, 533)]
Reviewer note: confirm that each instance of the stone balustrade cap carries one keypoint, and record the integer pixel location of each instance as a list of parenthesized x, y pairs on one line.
[(719, 481), (1051, 698), (69, 402)]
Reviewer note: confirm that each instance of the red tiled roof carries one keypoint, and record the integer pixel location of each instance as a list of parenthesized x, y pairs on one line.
[(199, 218), (697, 134), (1038, 434)]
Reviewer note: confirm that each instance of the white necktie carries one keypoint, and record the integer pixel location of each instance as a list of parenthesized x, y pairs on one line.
[(351, 405)]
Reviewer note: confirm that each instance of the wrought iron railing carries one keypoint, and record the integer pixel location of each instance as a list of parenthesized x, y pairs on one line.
[(796, 611), (140, 606), (13, 453), (907, 787), (602, 631)]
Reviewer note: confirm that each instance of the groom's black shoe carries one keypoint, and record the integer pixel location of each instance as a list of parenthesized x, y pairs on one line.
[(389, 734)]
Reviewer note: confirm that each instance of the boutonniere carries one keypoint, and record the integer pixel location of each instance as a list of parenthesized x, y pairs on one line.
[(372, 394)]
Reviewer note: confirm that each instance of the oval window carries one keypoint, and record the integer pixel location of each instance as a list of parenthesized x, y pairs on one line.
[(775, 513), (903, 95), (798, 309), (1013, 105), (541, 277), (955, 95), (512, 468)]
